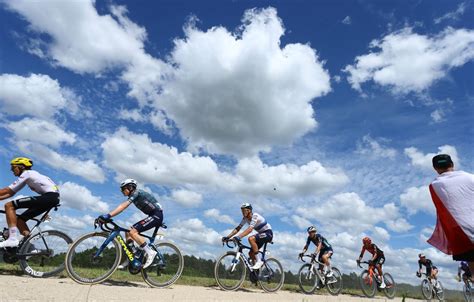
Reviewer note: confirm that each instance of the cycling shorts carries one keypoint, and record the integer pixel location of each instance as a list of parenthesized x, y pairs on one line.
[(324, 252), (36, 205), (264, 237), (154, 220), (379, 260), (429, 269)]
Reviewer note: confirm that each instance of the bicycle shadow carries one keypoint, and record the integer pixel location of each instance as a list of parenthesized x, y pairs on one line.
[(123, 283)]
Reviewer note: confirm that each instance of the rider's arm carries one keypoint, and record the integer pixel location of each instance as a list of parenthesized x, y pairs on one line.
[(318, 248), (234, 231), (362, 253), (420, 265), (246, 232), (120, 208), (6, 193)]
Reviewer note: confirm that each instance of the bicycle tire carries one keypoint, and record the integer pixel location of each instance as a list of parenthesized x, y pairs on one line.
[(303, 279), (54, 243), (164, 267), (271, 275), (77, 268), (467, 292), (426, 289), (336, 287), (390, 286), (221, 271), (368, 288), (439, 293)]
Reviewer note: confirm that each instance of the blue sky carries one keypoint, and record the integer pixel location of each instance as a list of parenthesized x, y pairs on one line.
[(324, 113)]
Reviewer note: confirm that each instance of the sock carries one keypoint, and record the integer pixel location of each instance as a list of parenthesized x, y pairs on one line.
[(146, 248), (13, 233)]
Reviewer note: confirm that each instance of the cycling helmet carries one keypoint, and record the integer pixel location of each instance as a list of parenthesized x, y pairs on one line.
[(421, 255), (246, 205), (311, 229), (128, 181), (366, 240), (22, 161)]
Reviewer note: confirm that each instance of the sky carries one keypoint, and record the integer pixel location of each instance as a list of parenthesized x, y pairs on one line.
[(316, 112)]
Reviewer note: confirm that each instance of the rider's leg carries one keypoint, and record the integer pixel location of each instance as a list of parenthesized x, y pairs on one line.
[(12, 228), (254, 251), (23, 227), (327, 261), (379, 269)]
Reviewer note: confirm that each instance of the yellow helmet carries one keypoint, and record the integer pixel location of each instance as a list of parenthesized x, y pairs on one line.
[(22, 161)]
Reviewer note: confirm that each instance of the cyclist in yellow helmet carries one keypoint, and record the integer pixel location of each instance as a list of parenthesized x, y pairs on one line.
[(35, 205)]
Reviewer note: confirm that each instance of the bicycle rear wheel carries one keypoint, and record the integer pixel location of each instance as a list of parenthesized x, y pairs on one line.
[(467, 291), (271, 275), (84, 267), (439, 291), (334, 283), (167, 266), (307, 279), (426, 289), (42, 255), (230, 271), (390, 286), (367, 284)]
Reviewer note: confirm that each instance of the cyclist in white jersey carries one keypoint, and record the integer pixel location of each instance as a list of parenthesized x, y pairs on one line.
[(260, 225), (35, 205)]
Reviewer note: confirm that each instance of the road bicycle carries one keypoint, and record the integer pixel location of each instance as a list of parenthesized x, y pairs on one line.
[(41, 253), (95, 256), (370, 281), (468, 290), (428, 288), (231, 268), (310, 276)]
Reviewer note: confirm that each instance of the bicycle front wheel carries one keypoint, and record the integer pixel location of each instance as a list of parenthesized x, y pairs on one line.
[(334, 283), (167, 266), (367, 284), (439, 291), (42, 255), (271, 275), (467, 291), (426, 289), (307, 279), (230, 271), (84, 266), (391, 287)]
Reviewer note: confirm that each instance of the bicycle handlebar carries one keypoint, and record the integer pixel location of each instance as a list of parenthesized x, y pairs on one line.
[(312, 256), (365, 262)]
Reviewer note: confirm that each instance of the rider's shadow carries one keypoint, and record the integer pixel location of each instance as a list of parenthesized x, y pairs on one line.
[(123, 283)]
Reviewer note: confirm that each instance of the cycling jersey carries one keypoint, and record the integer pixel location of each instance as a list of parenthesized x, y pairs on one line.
[(428, 264), (258, 223), (316, 240), (464, 266), (373, 249), (36, 182), (145, 202)]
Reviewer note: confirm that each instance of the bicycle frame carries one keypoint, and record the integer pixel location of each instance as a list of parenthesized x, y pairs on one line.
[(372, 272), (239, 253), (315, 262)]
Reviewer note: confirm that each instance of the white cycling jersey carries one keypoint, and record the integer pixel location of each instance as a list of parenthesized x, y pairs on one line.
[(258, 223), (36, 182)]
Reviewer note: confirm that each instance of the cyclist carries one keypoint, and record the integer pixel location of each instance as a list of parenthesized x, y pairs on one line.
[(378, 258), (260, 225), (323, 249), (48, 198), (464, 267), (431, 270), (147, 204)]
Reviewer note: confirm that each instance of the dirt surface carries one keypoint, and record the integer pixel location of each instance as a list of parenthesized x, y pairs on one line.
[(19, 288)]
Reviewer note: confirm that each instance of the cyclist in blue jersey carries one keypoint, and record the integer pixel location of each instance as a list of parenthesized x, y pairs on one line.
[(464, 267), (145, 202), (323, 249), (260, 225)]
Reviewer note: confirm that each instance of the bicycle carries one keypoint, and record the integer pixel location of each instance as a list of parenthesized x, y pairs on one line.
[(41, 253), (428, 289), (231, 268), (309, 276), (468, 290), (95, 256), (370, 281)]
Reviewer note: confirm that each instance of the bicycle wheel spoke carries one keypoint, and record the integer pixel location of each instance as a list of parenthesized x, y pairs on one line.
[(367, 284), (84, 266), (390, 286), (229, 271), (307, 279), (426, 289), (271, 275), (166, 268), (334, 283)]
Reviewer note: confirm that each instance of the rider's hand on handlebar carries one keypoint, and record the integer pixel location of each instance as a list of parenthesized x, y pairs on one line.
[(236, 238), (418, 274), (225, 239), (300, 255), (103, 218)]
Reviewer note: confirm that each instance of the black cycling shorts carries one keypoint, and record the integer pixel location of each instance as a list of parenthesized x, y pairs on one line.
[(379, 260), (264, 237), (36, 205), (154, 220), (429, 269), (324, 252)]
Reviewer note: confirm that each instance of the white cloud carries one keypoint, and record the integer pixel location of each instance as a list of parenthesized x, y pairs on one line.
[(347, 20), (36, 95), (187, 198), (409, 62), (454, 15), (240, 93), (438, 116), (425, 160), (80, 198), (380, 234), (370, 147), (218, 216), (417, 199), (84, 168), (300, 222), (134, 115), (40, 131), (399, 225)]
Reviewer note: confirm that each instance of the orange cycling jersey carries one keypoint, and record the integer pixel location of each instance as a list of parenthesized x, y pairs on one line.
[(373, 249)]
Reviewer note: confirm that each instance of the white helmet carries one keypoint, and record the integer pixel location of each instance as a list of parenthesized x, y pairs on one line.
[(246, 205), (128, 181), (311, 229)]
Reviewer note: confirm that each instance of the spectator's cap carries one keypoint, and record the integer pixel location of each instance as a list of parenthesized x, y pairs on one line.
[(442, 161)]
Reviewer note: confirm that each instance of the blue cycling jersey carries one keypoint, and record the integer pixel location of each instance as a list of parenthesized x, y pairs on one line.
[(145, 202)]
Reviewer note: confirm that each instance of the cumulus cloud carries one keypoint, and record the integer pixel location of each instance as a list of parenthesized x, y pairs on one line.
[(453, 15), (425, 160), (300, 222), (80, 198), (417, 199), (241, 93), (87, 169), (399, 225), (438, 116), (40, 131), (347, 20), (371, 147), (409, 62), (187, 198), (36, 95), (218, 216)]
